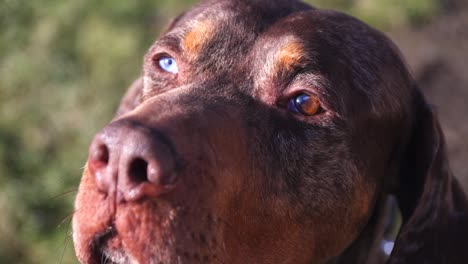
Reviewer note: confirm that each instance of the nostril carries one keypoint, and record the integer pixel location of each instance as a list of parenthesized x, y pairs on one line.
[(98, 165), (137, 170), (100, 157), (102, 154), (144, 179)]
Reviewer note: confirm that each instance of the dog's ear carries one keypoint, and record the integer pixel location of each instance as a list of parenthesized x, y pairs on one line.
[(132, 97), (433, 205)]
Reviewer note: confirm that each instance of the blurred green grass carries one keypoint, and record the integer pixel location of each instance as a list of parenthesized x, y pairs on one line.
[(64, 65)]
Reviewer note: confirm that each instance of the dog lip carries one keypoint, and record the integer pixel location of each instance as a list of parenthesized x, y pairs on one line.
[(99, 245)]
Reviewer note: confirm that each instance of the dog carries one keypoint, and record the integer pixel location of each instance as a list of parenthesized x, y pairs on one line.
[(269, 132)]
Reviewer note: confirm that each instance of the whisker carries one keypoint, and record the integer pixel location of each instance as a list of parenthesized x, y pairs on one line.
[(66, 242), (67, 217), (64, 193)]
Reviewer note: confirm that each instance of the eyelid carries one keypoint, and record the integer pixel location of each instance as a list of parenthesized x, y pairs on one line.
[(160, 49), (290, 93), (160, 55), (306, 82)]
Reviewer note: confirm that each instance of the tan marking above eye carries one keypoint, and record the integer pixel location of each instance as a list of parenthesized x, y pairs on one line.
[(200, 33), (290, 55)]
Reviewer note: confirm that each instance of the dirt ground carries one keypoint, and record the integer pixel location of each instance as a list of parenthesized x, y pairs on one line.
[(438, 56)]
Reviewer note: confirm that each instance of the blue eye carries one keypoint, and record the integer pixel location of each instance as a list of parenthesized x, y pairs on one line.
[(168, 64)]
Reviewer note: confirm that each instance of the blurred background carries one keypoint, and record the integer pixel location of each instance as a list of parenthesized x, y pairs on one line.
[(64, 65)]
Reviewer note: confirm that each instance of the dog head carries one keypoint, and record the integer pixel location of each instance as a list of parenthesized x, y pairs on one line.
[(259, 132)]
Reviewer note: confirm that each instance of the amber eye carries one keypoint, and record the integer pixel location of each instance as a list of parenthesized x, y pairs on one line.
[(304, 104)]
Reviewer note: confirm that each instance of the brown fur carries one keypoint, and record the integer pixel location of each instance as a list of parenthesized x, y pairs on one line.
[(210, 166)]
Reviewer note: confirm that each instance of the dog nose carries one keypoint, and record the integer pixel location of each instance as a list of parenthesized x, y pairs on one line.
[(132, 160)]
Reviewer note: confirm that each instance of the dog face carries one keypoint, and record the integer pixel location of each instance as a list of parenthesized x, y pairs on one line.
[(259, 132)]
